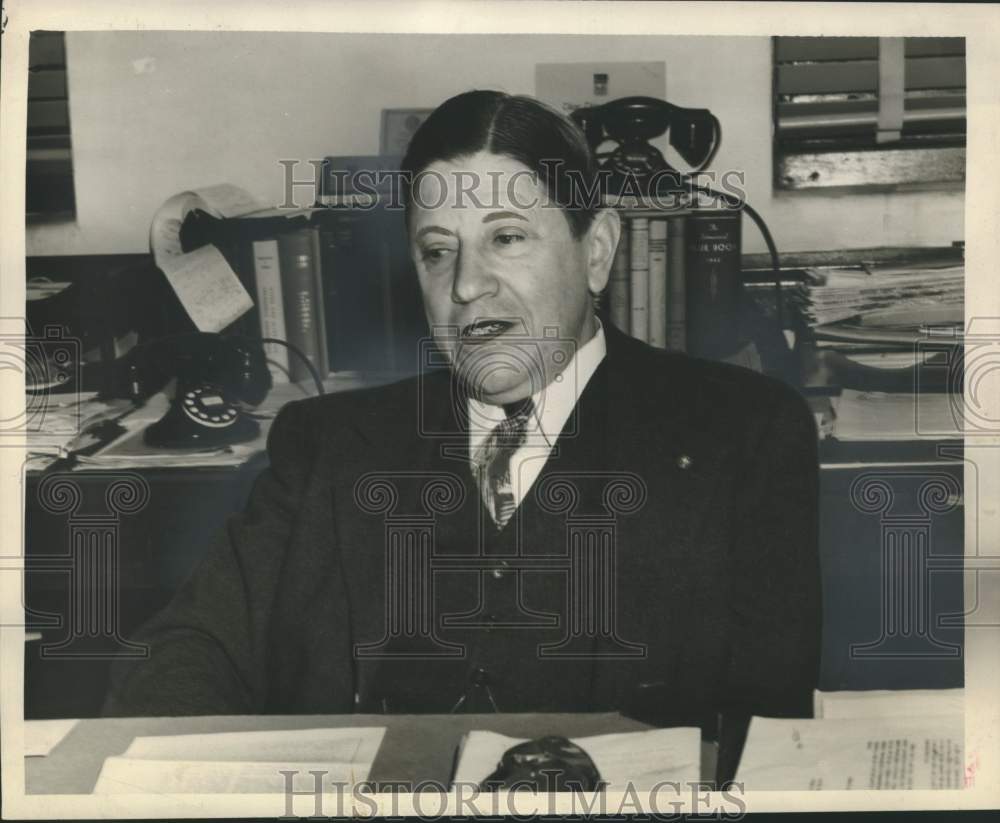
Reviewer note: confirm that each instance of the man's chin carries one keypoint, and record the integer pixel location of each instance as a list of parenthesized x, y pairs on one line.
[(498, 390)]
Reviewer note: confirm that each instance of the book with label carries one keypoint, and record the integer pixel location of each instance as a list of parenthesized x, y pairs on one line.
[(712, 281), (657, 311), (271, 307), (298, 254), (639, 278)]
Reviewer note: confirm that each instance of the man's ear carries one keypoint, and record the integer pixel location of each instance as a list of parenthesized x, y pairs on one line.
[(602, 242)]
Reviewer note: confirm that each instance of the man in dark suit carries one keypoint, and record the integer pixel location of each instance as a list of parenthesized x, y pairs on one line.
[(564, 519)]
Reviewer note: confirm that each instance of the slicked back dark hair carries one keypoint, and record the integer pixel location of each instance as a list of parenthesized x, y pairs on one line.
[(519, 127)]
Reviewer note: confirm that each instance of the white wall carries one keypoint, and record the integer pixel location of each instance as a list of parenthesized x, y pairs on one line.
[(154, 113)]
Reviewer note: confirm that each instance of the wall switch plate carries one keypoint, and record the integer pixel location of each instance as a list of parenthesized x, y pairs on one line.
[(567, 86)]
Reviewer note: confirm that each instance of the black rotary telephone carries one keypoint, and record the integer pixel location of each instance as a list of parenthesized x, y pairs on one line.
[(632, 122), (216, 376)]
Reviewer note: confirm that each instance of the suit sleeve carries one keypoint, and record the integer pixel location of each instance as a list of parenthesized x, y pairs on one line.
[(207, 649), (775, 591)]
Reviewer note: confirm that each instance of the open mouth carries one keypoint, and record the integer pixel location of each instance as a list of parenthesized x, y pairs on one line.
[(485, 329)]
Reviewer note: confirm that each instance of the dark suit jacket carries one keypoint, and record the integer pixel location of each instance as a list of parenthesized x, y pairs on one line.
[(694, 483)]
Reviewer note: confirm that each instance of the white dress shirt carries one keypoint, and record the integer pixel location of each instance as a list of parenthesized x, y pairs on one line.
[(553, 405)]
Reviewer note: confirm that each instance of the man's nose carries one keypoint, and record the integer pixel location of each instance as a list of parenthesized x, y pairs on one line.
[(472, 279)]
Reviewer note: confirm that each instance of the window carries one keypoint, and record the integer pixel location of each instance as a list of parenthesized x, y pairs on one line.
[(49, 193), (871, 112)]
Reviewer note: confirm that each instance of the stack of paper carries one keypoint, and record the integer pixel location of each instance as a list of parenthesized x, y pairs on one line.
[(831, 295), (860, 740), (886, 328), (636, 759), (241, 762)]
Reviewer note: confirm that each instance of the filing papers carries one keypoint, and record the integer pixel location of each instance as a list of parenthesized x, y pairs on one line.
[(636, 759), (876, 752), (241, 762)]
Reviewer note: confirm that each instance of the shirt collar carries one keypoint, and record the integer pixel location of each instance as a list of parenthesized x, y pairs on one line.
[(553, 404)]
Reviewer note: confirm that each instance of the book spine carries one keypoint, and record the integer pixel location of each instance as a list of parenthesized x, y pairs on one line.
[(353, 294), (639, 278), (713, 285), (295, 253), (676, 274), (271, 307), (657, 311), (317, 272), (618, 284)]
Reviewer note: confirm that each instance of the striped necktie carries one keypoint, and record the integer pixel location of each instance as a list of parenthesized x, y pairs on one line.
[(492, 462)]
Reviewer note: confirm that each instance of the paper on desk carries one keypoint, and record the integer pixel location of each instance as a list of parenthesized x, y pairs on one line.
[(853, 753), (246, 762), (888, 703), (126, 775), (67, 424), (129, 450), (349, 745), (640, 759), (42, 736)]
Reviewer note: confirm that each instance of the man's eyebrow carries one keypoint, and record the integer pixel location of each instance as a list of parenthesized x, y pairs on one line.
[(503, 215), (433, 229)]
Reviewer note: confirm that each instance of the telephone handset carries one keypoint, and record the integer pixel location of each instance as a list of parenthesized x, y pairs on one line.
[(695, 134), (215, 377), (633, 121)]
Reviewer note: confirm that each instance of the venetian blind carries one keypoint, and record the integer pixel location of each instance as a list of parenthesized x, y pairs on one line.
[(49, 185), (856, 94)]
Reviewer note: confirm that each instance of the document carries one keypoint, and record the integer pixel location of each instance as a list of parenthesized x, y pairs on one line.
[(241, 762), (636, 759), (902, 752)]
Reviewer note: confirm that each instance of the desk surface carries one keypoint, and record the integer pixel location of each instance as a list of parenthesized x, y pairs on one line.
[(415, 747)]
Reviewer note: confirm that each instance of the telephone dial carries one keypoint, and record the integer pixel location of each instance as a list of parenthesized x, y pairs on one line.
[(631, 122), (216, 377)]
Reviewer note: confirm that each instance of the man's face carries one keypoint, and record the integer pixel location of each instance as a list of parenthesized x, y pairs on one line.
[(506, 285)]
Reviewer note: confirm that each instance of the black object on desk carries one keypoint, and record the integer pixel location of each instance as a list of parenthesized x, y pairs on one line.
[(547, 764)]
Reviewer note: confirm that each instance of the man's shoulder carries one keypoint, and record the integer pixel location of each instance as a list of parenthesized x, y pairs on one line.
[(369, 411), (706, 390)]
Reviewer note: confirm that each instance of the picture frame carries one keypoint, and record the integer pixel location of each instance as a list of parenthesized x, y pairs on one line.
[(397, 127)]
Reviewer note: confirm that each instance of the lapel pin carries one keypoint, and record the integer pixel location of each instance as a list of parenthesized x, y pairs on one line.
[(684, 462)]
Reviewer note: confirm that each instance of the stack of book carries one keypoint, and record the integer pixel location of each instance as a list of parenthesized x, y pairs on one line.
[(675, 281), (335, 283)]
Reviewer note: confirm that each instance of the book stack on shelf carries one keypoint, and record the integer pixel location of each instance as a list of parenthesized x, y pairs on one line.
[(336, 283), (676, 281), (335, 280)]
